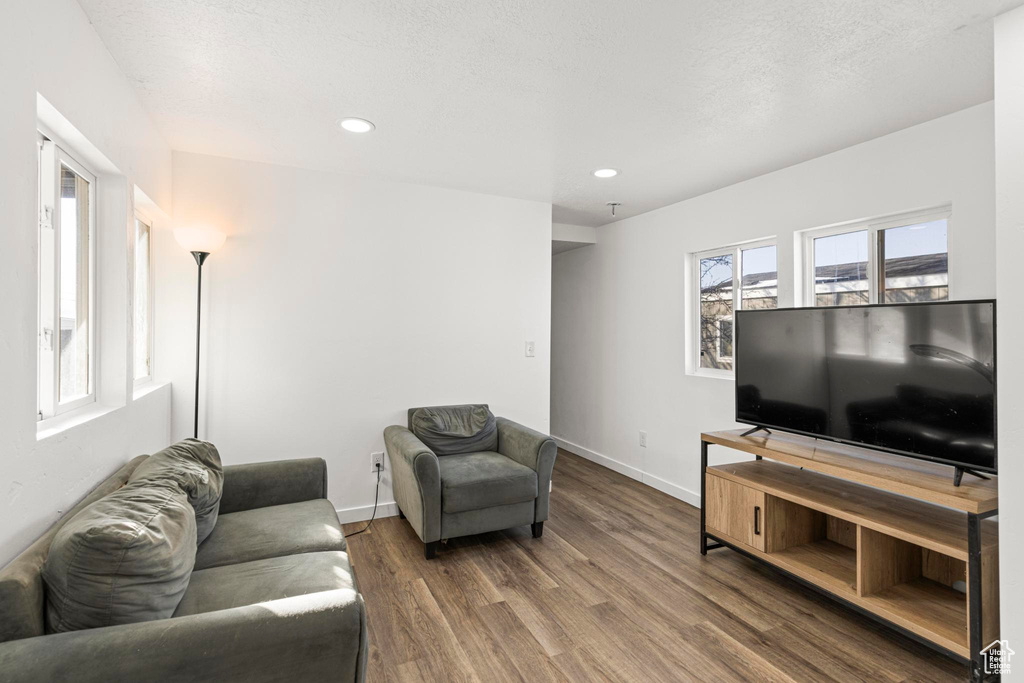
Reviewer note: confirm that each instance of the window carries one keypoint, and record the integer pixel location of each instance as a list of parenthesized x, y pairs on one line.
[(733, 278), (760, 287), (716, 303), (143, 302), (899, 259), (841, 269), (914, 262), (67, 216)]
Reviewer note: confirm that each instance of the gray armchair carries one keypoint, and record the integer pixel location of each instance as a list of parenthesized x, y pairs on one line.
[(478, 473)]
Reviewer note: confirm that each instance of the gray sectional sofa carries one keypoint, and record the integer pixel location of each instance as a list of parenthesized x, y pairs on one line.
[(272, 596)]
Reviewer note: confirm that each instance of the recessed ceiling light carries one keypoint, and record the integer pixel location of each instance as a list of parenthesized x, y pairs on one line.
[(606, 173), (353, 125)]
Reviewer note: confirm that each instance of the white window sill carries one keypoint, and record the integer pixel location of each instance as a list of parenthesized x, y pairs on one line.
[(143, 389), (52, 426), (715, 374)]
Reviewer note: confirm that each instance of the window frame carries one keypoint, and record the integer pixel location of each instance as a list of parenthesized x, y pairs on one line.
[(141, 217), (48, 403), (736, 251), (873, 227)]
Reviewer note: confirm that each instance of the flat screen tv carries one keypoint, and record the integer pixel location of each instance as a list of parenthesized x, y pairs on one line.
[(913, 379)]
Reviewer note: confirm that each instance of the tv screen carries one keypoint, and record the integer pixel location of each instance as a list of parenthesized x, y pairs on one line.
[(913, 379)]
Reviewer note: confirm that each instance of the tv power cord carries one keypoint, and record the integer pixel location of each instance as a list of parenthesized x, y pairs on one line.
[(375, 494)]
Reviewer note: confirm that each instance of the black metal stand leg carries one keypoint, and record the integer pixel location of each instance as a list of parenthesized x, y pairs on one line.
[(974, 593), (703, 503), (975, 622), (959, 472)]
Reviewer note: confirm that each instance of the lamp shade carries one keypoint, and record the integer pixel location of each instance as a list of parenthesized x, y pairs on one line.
[(200, 239)]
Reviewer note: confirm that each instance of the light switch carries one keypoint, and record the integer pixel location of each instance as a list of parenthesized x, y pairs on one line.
[(530, 349)]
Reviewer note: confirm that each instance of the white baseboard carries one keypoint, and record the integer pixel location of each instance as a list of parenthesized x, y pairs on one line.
[(603, 460), (683, 494), (362, 514)]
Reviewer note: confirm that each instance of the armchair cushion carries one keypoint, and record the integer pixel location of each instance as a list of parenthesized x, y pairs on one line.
[(473, 481), (449, 430)]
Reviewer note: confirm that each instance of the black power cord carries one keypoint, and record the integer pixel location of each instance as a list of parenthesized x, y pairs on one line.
[(375, 494)]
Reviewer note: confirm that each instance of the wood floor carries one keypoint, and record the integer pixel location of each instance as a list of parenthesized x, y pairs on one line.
[(616, 590)]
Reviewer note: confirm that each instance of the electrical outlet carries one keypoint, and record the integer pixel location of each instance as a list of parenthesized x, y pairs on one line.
[(531, 349), (376, 461), (643, 439)]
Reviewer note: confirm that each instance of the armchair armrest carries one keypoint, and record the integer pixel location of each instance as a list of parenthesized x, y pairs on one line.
[(262, 484), (416, 480), (320, 636), (533, 449)]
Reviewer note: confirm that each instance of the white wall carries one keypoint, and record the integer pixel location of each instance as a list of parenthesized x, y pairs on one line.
[(49, 47), (1009, 163), (339, 302), (618, 332)]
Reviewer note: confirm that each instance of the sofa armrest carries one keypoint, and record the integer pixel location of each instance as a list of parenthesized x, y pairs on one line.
[(262, 484), (416, 480), (320, 636), (533, 449)]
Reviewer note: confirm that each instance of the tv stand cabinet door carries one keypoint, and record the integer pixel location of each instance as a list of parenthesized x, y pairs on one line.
[(736, 510)]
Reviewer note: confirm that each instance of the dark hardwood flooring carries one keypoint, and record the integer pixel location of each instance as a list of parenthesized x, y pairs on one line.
[(616, 590)]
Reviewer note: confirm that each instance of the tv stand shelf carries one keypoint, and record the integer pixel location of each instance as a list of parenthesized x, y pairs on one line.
[(890, 537), (919, 479)]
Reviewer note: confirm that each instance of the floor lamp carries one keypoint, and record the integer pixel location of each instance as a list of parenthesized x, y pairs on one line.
[(200, 242)]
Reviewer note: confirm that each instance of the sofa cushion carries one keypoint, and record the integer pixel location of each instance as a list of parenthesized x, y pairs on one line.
[(248, 583), (195, 466), (124, 559), (472, 481), (449, 430), (272, 531)]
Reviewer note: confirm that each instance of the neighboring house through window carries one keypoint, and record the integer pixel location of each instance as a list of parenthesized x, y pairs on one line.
[(896, 259), (725, 339), (742, 276)]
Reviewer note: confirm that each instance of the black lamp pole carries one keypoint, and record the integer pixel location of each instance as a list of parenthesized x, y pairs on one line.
[(199, 256)]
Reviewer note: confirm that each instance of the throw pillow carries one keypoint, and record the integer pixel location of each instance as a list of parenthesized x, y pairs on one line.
[(126, 558), (195, 466)]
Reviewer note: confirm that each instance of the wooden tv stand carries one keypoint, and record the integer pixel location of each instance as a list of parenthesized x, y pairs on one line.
[(886, 535)]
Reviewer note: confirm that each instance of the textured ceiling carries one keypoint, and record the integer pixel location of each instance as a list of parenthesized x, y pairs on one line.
[(524, 98)]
